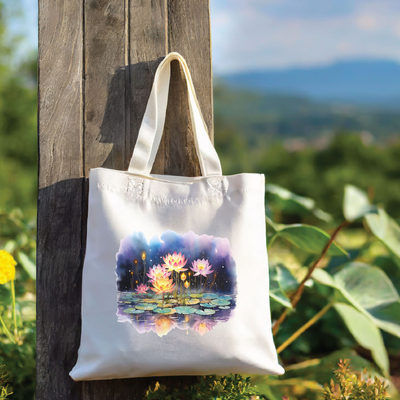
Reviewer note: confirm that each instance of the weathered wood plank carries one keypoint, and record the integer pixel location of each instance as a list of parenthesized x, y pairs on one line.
[(105, 82), (60, 213), (97, 60), (115, 98), (189, 35), (148, 44)]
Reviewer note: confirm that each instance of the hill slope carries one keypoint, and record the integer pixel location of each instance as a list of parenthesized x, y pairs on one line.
[(375, 82), (267, 116)]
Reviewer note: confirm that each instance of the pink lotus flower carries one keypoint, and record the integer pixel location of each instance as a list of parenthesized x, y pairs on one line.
[(201, 267), (175, 262), (163, 285), (142, 288), (203, 325), (157, 271)]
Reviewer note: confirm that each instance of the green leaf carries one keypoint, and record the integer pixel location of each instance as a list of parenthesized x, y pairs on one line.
[(10, 246), (386, 229), (323, 277), (370, 290), (386, 264), (291, 203), (276, 293), (281, 281), (365, 333), (286, 279), (275, 227), (356, 203), (28, 265), (310, 239)]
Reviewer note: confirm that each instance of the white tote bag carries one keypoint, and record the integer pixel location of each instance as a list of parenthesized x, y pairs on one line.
[(175, 278)]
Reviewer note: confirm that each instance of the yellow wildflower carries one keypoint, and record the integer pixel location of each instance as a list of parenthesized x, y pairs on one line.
[(7, 267)]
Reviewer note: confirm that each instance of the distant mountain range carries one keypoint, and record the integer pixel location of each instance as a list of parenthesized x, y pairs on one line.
[(368, 82)]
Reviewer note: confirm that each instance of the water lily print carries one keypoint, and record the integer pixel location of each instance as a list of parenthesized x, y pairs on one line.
[(156, 293), (142, 288), (201, 267), (175, 262), (157, 271), (163, 285)]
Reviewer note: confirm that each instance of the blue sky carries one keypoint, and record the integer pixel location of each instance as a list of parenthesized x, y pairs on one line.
[(258, 34)]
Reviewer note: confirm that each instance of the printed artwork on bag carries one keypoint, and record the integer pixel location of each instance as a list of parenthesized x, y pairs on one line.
[(183, 281)]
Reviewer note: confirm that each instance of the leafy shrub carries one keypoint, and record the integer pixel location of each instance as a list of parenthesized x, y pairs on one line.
[(17, 303), (4, 392), (354, 386), (232, 387)]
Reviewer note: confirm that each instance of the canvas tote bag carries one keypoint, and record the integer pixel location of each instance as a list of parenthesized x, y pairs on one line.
[(175, 277)]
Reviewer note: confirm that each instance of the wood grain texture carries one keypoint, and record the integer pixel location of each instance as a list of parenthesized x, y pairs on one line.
[(105, 81), (189, 35), (148, 42), (60, 211), (97, 60)]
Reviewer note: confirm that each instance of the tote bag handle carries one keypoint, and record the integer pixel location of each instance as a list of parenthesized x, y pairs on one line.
[(152, 126)]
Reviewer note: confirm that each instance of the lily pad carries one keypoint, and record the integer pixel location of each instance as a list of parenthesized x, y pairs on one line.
[(192, 301), (205, 312), (135, 300), (146, 307), (197, 295), (133, 311), (165, 305), (163, 310), (225, 297), (208, 305), (224, 307), (210, 296), (150, 301), (185, 310), (219, 302), (173, 301)]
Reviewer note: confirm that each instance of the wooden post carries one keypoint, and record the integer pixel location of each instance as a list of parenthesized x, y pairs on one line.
[(97, 60)]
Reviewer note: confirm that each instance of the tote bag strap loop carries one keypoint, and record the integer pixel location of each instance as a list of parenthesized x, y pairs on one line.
[(152, 127)]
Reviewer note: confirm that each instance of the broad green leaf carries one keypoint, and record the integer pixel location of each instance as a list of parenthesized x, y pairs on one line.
[(28, 265), (386, 229), (386, 264), (356, 203), (310, 239), (369, 286), (387, 317), (10, 246), (286, 279), (370, 290), (336, 262), (365, 333), (276, 227), (323, 277), (291, 203), (276, 291)]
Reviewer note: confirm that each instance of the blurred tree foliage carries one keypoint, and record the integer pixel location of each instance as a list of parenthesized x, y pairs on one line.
[(319, 174), (18, 139)]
